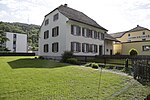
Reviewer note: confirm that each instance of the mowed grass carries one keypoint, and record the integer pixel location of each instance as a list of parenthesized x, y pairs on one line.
[(25, 78)]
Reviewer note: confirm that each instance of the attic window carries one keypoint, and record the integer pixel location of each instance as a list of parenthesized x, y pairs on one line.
[(46, 21), (55, 17)]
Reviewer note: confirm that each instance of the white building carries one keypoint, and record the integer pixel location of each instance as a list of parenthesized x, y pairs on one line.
[(17, 42), (66, 29)]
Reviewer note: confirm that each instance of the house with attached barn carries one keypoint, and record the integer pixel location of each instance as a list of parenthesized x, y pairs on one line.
[(66, 29)]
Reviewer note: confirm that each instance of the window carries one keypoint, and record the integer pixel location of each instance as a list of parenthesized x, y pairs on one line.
[(99, 35), (85, 47), (55, 31), (93, 48), (89, 33), (55, 17), (14, 36), (75, 46), (46, 34), (75, 30), (143, 33), (143, 39), (14, 42), (46, 22), (128, 34), (146, 48), (95, 35), (46, 48), (107, 50), (55, 47)]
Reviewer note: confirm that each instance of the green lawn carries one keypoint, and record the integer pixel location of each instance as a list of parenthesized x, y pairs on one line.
[(24, 78)]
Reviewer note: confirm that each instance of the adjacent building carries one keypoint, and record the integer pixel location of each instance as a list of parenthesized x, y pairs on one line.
[(66, 29), (17, 42), (137, 39)]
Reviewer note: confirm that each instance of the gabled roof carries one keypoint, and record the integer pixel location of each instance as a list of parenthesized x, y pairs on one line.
[(120, 34), (78, 16), (138, 28), (117, 35), (109, 37)]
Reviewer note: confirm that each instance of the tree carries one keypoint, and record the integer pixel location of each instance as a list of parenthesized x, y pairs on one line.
[(3, 40)]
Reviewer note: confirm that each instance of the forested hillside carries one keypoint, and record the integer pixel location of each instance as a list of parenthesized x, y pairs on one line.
[(29, 29)]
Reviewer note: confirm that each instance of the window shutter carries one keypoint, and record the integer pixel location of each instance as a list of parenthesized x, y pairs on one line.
[(72, 46), (57, 30), (53, 32), (83, 47), (72, 29), (57, 47), (78, 30), (83, 31), (53, 47)]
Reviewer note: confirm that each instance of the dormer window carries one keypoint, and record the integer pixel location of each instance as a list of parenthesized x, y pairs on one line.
[(46, 22), (55, 17)]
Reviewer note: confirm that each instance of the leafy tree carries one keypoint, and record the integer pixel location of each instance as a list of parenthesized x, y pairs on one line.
[(3, 40)]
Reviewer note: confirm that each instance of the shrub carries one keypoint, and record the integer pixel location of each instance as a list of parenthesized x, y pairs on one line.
[(41, 57), (72, 61), (117, 53), (88, 65), (66, 55), (95, 66)]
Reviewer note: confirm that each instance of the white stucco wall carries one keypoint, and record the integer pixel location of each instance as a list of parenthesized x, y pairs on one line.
[(21, 42), (81, 39), (109, 46), (61, 38), (65, 37), (9, 44)]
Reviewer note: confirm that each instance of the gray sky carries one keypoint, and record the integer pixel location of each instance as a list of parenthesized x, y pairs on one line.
[(114, 15)]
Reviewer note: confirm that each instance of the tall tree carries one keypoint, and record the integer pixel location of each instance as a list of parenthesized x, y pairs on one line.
[(3, 39)]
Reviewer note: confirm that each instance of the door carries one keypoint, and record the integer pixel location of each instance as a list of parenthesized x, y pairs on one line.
[(100, 50), (111, 52)]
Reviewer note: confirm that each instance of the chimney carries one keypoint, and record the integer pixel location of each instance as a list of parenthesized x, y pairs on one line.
[(65, 5)]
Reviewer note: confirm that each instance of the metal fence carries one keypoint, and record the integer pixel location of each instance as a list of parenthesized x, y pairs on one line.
[(140, 64)]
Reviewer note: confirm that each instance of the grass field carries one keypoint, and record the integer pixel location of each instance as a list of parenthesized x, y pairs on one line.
[(24, 78)]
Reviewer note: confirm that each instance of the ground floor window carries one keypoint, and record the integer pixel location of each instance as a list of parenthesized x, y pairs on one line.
[(46, 48), (85, 47), (55, 47), (146, 48), (75, 46)]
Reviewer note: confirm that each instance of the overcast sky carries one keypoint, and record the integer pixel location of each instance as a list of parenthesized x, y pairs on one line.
[(114, 15)]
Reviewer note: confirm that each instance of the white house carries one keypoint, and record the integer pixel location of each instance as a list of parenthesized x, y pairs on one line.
[(66, 29), (17, 42), (108, 44)]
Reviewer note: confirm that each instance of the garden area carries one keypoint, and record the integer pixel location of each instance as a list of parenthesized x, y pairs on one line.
[(27, 78)]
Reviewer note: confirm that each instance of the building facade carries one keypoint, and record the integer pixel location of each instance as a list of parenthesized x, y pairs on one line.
[(137, 39), (66, 29), (17, 42)]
